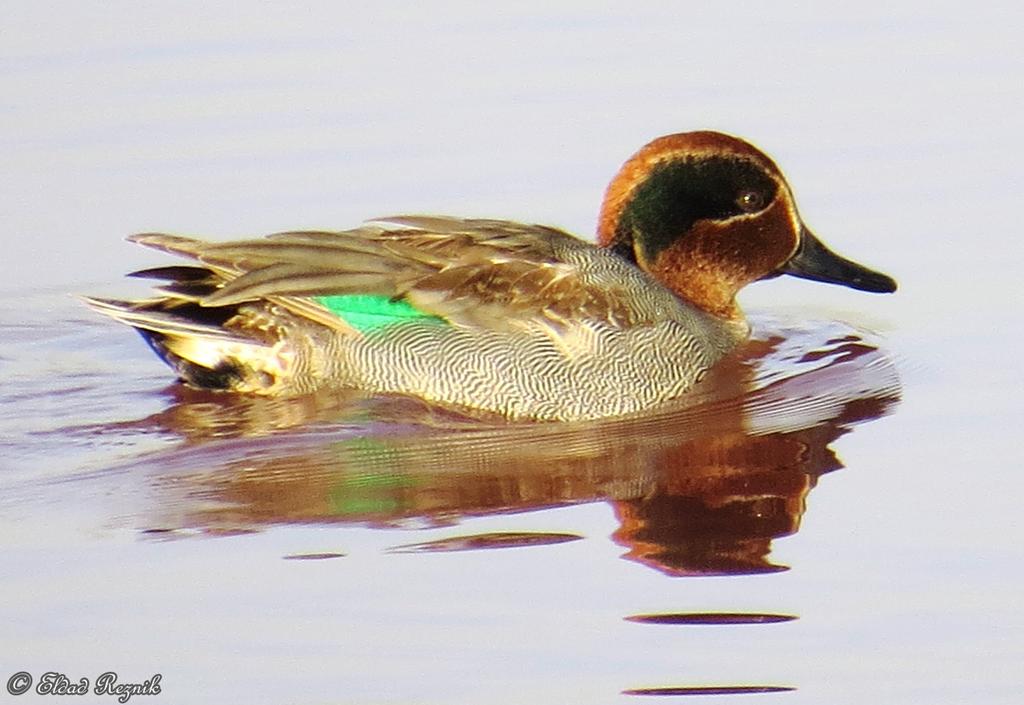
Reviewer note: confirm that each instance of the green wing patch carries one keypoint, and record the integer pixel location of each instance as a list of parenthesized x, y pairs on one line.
[(366, 312)]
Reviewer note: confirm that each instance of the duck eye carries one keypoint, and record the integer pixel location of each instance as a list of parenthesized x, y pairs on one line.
[(750, 201)]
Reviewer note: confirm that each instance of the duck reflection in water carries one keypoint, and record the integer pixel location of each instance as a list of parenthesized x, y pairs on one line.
[(700, 487)]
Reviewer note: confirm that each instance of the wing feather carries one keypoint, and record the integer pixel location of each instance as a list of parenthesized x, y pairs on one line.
[(488, 273)]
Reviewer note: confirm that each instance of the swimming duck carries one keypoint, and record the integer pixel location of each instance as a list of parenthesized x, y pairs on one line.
[(525, 321)]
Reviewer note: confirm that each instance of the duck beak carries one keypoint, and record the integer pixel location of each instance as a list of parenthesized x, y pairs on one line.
[(812, 260)]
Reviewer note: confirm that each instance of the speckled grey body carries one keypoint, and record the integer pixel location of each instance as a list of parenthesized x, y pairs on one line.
[(518, 376)]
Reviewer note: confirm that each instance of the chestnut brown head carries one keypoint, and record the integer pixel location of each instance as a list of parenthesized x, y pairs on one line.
[(706, 214)]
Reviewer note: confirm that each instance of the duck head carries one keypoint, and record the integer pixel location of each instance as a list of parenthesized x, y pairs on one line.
[(706, 214)]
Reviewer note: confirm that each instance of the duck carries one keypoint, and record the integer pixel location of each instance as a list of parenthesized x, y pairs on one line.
[(526, 322)]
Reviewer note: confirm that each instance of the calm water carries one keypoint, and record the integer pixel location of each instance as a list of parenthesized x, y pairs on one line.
[(833, 517)]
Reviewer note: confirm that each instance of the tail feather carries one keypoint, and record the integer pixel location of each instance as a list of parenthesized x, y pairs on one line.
[(200, 352), (175, 273), (137, 315)]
